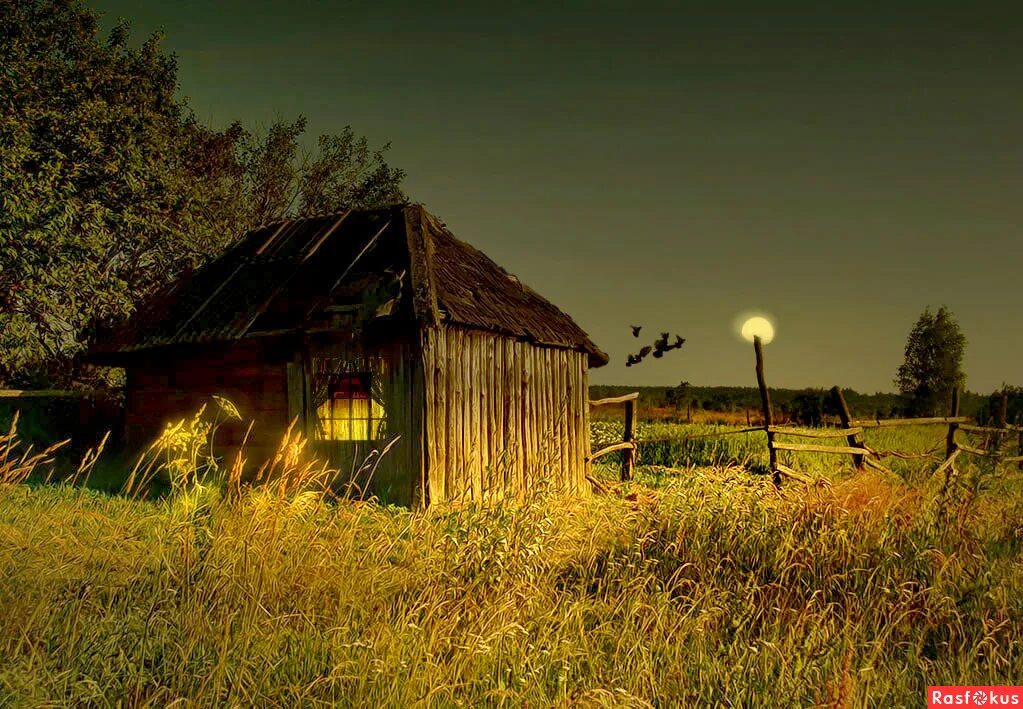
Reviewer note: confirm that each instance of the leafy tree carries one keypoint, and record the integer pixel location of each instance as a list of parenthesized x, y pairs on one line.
[(991, 409), (109, 186), (808, 407), (677, 396), (279, 179), (933, 363)]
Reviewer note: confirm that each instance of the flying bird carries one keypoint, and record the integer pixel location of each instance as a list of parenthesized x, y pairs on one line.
[(657, 348)]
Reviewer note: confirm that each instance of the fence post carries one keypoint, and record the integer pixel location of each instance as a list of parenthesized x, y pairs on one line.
[(765, 402), (950, 439), (845, 416), (629, 460), (1019, 442)]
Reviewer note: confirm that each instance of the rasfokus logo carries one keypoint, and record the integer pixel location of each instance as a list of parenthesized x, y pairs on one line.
[(974, 697)]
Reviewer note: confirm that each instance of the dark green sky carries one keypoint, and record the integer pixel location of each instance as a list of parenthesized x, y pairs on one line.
[(675, 168)]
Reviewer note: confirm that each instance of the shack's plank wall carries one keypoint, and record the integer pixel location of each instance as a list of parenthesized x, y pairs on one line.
[(503, 417), (171, 386)]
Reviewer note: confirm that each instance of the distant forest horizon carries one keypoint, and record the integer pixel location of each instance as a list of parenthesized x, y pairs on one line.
[(799, 403)]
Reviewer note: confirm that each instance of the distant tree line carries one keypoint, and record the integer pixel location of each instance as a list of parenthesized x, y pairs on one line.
[(808, 405)]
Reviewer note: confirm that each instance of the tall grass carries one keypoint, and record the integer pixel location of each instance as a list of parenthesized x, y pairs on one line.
[(697, 445), (709, 588)]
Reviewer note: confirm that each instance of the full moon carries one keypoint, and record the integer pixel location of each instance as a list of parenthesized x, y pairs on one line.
[(758, 326)]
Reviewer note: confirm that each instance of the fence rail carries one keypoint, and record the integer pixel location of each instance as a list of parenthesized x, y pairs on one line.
[(628, 443), (43, 393), (893, 423), (852, 430)]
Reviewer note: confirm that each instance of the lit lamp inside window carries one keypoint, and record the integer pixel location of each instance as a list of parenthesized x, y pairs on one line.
[(350, 413)]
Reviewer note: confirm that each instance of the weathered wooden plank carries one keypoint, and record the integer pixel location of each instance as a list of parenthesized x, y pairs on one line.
[(624, 445), (975, 451), (550, 396), (456, 452), (568, 413), (557, 431), (582, 422), (987, 429), (495, 410), (568, 416), (513, 421), (615, 399), (540, 465), (528, 415), (482, 393), (440, 419), (44, 393), (795, 475), (891, 423), (811, 448), (476, 387), (434, 482), (979, 452), (949, 461), (495, 402), (553, 442), (469, 453), (810, 433), (587, 444)]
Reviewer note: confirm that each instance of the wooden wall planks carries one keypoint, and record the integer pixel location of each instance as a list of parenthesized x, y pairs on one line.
[(502, 416)]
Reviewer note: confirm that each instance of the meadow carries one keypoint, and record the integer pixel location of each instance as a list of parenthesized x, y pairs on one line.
[(699, 583)]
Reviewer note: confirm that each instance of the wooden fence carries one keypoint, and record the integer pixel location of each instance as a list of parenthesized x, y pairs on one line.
[(629, 443), (862, 455), (851, 430)]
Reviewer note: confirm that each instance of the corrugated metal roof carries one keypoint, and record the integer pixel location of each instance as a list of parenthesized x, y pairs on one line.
[(276, 276)]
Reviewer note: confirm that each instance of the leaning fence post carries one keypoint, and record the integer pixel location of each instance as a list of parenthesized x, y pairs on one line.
[(765, 402), (846, 417), (950, 439), (1019, 442), (629, 460)]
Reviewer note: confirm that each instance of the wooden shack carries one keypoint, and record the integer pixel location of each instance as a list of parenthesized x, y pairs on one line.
[(367, 329)]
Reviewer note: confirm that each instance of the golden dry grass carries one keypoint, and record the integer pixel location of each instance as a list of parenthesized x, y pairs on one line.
[(706, 587)]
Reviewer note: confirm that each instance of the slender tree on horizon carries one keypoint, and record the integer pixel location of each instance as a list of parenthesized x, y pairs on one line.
[(933, 363)]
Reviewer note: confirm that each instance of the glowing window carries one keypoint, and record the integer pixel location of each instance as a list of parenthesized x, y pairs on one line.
[(349, 411)]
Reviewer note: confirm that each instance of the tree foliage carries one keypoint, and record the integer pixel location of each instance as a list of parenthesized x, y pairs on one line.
[(677, 396), (109, 185), (933, 363), (991, 410)]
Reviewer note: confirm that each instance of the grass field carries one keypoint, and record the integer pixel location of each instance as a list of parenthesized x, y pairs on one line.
[(703, 585)]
